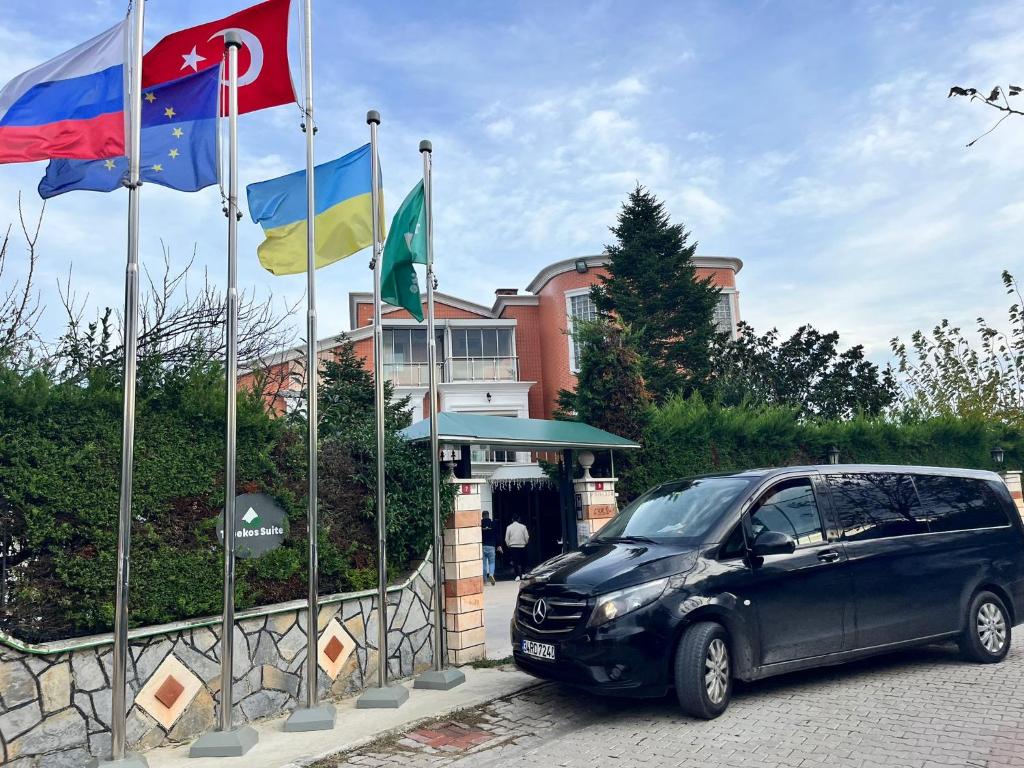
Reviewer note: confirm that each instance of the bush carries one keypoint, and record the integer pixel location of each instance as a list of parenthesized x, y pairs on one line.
[(690, 436), (60, 475)]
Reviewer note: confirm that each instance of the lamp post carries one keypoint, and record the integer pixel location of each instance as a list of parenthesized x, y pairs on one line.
[(833, 455), (998, 455)]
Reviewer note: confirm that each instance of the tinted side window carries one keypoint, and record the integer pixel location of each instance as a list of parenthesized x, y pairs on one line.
[(876, 505), (789, 508), (959, 503)]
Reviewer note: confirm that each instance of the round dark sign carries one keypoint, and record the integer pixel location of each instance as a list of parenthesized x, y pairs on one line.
[(260, 525)]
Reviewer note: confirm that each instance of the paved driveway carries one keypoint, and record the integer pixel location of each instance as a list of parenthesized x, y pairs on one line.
[(499, 605), (922, 708)]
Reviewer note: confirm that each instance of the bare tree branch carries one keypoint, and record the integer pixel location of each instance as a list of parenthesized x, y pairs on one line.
[(19, 303), (180, 323), (990, 101)]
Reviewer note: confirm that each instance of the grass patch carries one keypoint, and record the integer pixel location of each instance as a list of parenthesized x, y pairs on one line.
[(490, 663)]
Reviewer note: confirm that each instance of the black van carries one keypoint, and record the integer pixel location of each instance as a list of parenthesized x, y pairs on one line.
[(705, 580)]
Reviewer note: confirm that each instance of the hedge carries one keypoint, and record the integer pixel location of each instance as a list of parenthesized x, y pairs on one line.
[(690, 436), (59, 480)]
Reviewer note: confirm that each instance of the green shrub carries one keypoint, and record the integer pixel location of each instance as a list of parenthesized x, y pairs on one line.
[(690, 436), (60, 475)]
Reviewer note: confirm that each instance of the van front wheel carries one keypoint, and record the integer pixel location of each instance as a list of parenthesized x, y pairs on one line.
[(703, 671), (986, 636)]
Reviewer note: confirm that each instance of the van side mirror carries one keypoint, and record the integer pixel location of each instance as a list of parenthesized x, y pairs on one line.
[(773, 543)]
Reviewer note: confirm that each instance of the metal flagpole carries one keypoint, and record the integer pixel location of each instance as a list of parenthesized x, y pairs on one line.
[(381, 696), (119, 681), (228, 741), (311, 717), (441, 677)]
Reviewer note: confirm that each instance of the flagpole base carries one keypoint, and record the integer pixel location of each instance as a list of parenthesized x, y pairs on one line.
[(320, 718), (440, 680), (130, 760), (233, 743), (391, 697)]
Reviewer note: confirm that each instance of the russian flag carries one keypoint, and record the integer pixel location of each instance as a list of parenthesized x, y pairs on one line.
[(71, 106)]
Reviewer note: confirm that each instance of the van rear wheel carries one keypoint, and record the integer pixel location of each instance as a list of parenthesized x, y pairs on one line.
[(703, 671), (986, 636)]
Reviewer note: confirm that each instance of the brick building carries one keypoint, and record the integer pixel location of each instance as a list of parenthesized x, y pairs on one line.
[(509, 359)]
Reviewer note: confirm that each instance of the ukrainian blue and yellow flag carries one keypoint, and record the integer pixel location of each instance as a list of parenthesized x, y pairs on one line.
[(343, 221)]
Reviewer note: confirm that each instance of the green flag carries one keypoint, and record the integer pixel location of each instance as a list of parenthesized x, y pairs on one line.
[(406, 245)]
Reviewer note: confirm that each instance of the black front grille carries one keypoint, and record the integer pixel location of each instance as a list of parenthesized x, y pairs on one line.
[(562, 615)]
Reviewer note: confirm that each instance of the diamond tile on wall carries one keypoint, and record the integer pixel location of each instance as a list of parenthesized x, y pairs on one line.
[(334, 648), (169, 691)]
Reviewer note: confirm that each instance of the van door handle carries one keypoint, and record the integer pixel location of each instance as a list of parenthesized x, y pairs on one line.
[(828, 556)]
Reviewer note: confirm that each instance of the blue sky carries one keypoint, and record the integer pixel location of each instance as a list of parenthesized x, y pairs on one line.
[(813, 140)]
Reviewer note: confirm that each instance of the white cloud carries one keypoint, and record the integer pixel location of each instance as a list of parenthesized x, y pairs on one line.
[(629, 86), (500, 129)]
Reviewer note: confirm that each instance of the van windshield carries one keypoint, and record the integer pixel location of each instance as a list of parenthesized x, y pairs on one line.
[(685, 509)]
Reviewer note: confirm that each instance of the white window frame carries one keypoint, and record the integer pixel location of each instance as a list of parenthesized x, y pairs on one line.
[(569, 295), (731, 294)]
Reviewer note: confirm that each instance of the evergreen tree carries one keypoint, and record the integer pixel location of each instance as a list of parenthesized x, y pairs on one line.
[(652, 286), (347, 396), (610, 392)]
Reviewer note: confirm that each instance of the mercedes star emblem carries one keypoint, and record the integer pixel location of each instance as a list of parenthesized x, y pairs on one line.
[(540, 611)]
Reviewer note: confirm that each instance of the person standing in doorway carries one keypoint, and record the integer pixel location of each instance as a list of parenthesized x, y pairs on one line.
[(489, 540), (516, 538)]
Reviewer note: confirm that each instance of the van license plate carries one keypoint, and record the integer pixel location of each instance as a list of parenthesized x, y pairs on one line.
[(544, 651)]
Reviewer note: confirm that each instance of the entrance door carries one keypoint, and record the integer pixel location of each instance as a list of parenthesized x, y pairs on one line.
[(538, 510), (802, 598)]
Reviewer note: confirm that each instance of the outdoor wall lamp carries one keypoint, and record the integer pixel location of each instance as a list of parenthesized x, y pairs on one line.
[(488, 397), (581, 266), (833, 455), (998, 454)]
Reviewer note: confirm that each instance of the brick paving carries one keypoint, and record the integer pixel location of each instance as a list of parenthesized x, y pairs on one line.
[(924, 708)]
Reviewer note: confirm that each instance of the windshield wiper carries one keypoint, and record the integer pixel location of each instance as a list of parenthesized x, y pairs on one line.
[(636, 539)]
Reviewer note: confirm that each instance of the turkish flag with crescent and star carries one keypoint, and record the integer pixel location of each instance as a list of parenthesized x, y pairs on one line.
[(264, 79)]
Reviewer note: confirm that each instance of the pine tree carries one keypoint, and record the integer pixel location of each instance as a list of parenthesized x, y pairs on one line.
[(610, 391), (652, 286), (347, 401)]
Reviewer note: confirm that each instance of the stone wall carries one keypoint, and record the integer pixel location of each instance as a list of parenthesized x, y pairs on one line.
[(55, 698)]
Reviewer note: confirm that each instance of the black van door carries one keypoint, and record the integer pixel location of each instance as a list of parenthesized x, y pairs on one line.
[(802, 599), (892, 561)]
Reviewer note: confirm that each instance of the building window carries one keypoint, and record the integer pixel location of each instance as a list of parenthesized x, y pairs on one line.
[(406, 356), (484, 454), (581, 307), (483, 354), (723, 315)]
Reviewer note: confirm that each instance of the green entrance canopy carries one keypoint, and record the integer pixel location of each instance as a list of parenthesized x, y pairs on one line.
[(509, 432)]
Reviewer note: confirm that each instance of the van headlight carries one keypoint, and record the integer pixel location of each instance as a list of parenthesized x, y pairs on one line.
[(615, 604)]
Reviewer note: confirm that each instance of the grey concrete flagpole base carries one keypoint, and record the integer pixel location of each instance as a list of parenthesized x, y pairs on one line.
[(130, 760), (443, 680), (233, 743), (311, 719), (391, 697)]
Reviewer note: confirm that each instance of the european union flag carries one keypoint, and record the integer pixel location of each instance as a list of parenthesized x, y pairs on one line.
[(179, 142)]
